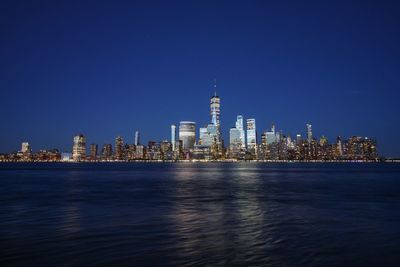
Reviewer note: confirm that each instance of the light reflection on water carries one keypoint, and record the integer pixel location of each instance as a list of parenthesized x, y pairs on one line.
[(200, 214)]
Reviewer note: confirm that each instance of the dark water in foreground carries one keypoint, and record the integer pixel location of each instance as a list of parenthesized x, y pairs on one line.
[(185, 214)]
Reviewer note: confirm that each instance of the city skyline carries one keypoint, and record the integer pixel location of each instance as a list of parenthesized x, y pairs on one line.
[(244, 133), (107, 70), (208, 144), (199, 133)]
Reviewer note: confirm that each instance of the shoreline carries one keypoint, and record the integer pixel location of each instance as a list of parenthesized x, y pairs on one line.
[(211, 161)]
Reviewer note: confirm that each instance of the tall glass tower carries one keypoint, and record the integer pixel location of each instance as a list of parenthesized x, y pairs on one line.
[(79, 148), (215, 105), (309, 133), (239, 126), (173, 136), (187, 133), (137, 138), (251, 135), (214, 129)]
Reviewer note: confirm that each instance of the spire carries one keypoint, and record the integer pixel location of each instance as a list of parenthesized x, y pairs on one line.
[(215, 87)]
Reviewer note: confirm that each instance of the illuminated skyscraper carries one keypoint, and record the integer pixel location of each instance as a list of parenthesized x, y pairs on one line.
[(187, 133), (309, 133), (251, 135), (239, 126), (25, 147), (235, 142), (79, 148), (119, 148), (93, 151), (215, 105), (214, 129), (106, 152), (173, 136), (137, 138), (271, 136), (210, 136), (339, 146), (299, 139)]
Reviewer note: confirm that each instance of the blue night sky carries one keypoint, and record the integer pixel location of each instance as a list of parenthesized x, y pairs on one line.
[(108, 68)]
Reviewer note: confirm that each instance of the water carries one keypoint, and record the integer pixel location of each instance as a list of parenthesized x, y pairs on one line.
[(186, 214)]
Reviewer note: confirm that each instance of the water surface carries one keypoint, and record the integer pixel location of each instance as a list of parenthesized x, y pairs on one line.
[(199, 214)]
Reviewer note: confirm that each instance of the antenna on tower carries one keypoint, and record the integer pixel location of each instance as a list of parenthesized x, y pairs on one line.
[(215, 87)]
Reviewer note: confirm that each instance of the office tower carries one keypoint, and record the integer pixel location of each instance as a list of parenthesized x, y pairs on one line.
[(140, 152), (235, 142), (239, 126), (264, 138), (323, 141), (137, 138), (129, 151), (203, 136), (234, 137), (339, 146), (79, 148), (208, 135), (211, 135), (25, 147), (93, 151), (173, 136), (309, 133), (262, 148), (251, 135), (166, 150), (151, 145), (106, 152), (215, 109), (153, 150), (299, 139), (271, 136), (119, 148), (290, 143), (187, 133)]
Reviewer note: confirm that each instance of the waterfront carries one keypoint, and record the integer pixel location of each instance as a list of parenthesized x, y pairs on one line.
[(196, 214)]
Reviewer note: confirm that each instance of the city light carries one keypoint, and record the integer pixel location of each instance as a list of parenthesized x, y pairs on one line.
[(243, 145)]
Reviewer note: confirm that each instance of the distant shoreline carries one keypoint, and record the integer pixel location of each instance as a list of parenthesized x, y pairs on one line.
[(212, 161)]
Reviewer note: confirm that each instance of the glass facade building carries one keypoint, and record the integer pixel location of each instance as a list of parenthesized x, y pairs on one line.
[(137, 138), (79, 148), (251, 135), (240, 127), (187, 133), (173, 136)]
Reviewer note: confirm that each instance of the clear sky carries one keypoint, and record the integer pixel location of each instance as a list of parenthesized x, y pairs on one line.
[(108, 68)]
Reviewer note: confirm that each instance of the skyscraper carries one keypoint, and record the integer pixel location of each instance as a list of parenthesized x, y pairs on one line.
[(299, 139), (173, 136), (79, 148), (137, 138), (119, 148), (309, 133), (251, 136), (106, 152), (214, 129), (235, 142), (93, 151), (239, 126), (271, 136), (210, 136), (215, 105), (187, 133), (25, 147)]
